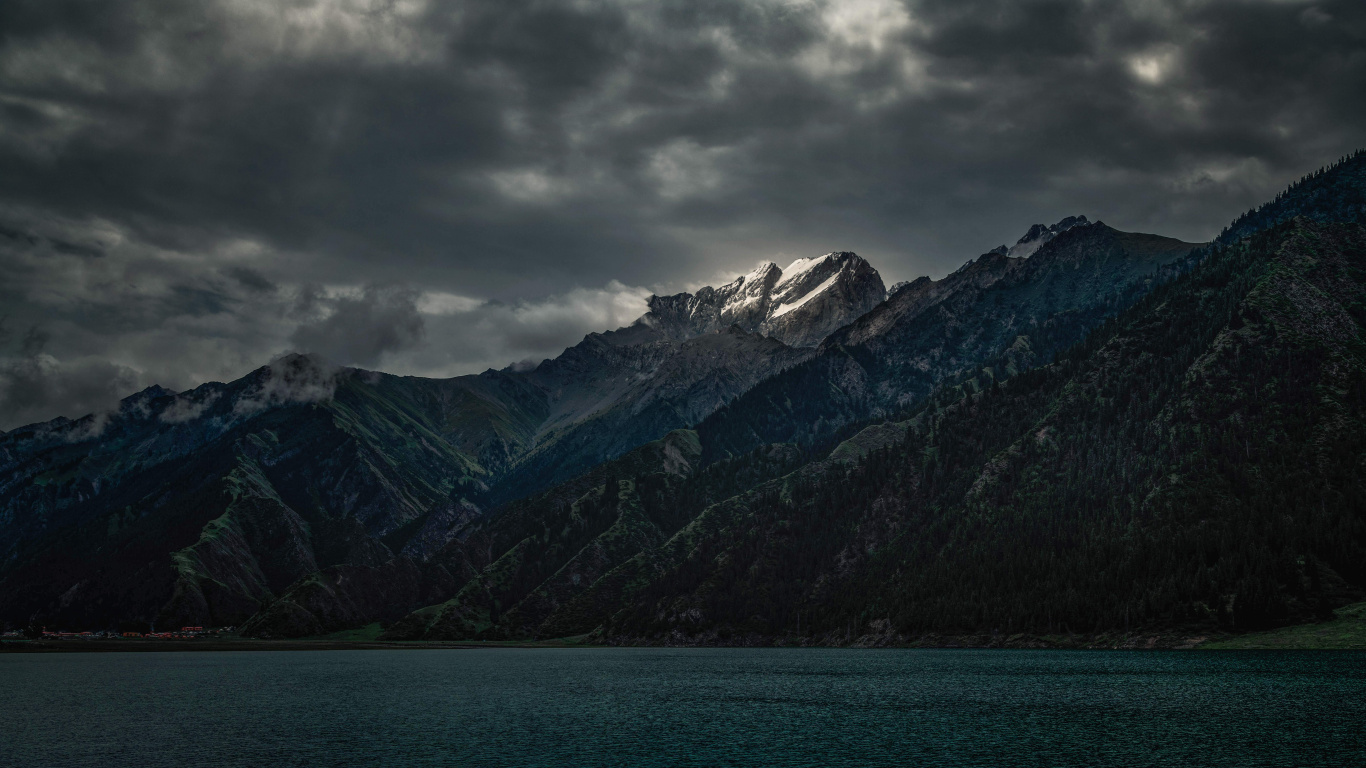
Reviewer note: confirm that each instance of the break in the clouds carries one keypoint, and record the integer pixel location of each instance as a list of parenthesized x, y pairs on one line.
[(189, 189)]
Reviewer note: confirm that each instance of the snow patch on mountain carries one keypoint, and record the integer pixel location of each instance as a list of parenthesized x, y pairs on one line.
[(1039, 234), (785, 308), (800, 267), (1025, 249), (799, 305)]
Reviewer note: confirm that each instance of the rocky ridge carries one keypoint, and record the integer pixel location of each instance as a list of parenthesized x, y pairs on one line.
[(204, 506), (319, 498), (799, 305)]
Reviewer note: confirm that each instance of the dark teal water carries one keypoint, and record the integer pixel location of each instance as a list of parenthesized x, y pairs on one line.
[(646, 707)]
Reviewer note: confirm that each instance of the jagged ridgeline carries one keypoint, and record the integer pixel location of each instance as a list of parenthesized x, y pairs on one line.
[(1090, 430), (928, 331), (1198, 463), (1194, 462), (203, 507)]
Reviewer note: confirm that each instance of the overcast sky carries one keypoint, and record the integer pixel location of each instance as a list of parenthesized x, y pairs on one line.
[(190, 187)]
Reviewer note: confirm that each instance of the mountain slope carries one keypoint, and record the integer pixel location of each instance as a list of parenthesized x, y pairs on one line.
[(1198, 463), (203, 507), (930, 330), (200, 508), (693, 379), (1193, 462), (686, 357), (1332, 193), (546, 549)]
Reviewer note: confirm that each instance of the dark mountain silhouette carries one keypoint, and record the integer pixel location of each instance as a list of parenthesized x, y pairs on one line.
[(1104, 432)]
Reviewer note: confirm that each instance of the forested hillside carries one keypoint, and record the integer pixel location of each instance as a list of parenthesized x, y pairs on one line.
[(546, 551), (1194, 462), (1198, 462), (1115, 432)]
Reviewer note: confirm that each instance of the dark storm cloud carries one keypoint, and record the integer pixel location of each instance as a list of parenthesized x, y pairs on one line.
[(250, 279), (174, 175), (359, 330), (34, 385)]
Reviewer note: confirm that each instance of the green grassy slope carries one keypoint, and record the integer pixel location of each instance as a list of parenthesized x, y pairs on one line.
[(1346, 630)]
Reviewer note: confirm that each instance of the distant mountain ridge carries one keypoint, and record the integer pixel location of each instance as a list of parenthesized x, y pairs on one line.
[(1191, 463), (431, 456), (726, 464), (543, 588), (302, 465), (1195, 465)]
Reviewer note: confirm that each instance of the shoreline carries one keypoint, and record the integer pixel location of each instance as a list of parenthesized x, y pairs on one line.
[(1226, 643), (1345, 632), (245, 644), (1149, 642)]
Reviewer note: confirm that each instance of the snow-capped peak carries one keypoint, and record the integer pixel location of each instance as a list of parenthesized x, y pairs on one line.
[(818, 290), (744, 295), (1039, 234), (799, 305), (761, 271), (801, 266), (761, 279), (816, 296)]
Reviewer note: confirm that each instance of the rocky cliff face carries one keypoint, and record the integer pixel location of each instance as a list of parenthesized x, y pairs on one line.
[(819, 297), (799, 305), (1024, 309), (689, 355), (1040, 234)]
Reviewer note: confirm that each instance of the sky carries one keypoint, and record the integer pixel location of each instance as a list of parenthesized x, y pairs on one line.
[(189, 188)]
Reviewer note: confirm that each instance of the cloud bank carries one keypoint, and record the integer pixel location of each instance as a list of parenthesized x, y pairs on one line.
[(189, 189)]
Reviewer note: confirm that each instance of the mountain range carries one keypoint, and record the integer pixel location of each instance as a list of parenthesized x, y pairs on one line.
[(1089, 431)]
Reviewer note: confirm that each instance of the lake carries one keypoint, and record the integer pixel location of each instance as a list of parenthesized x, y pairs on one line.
[(684, 707)]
